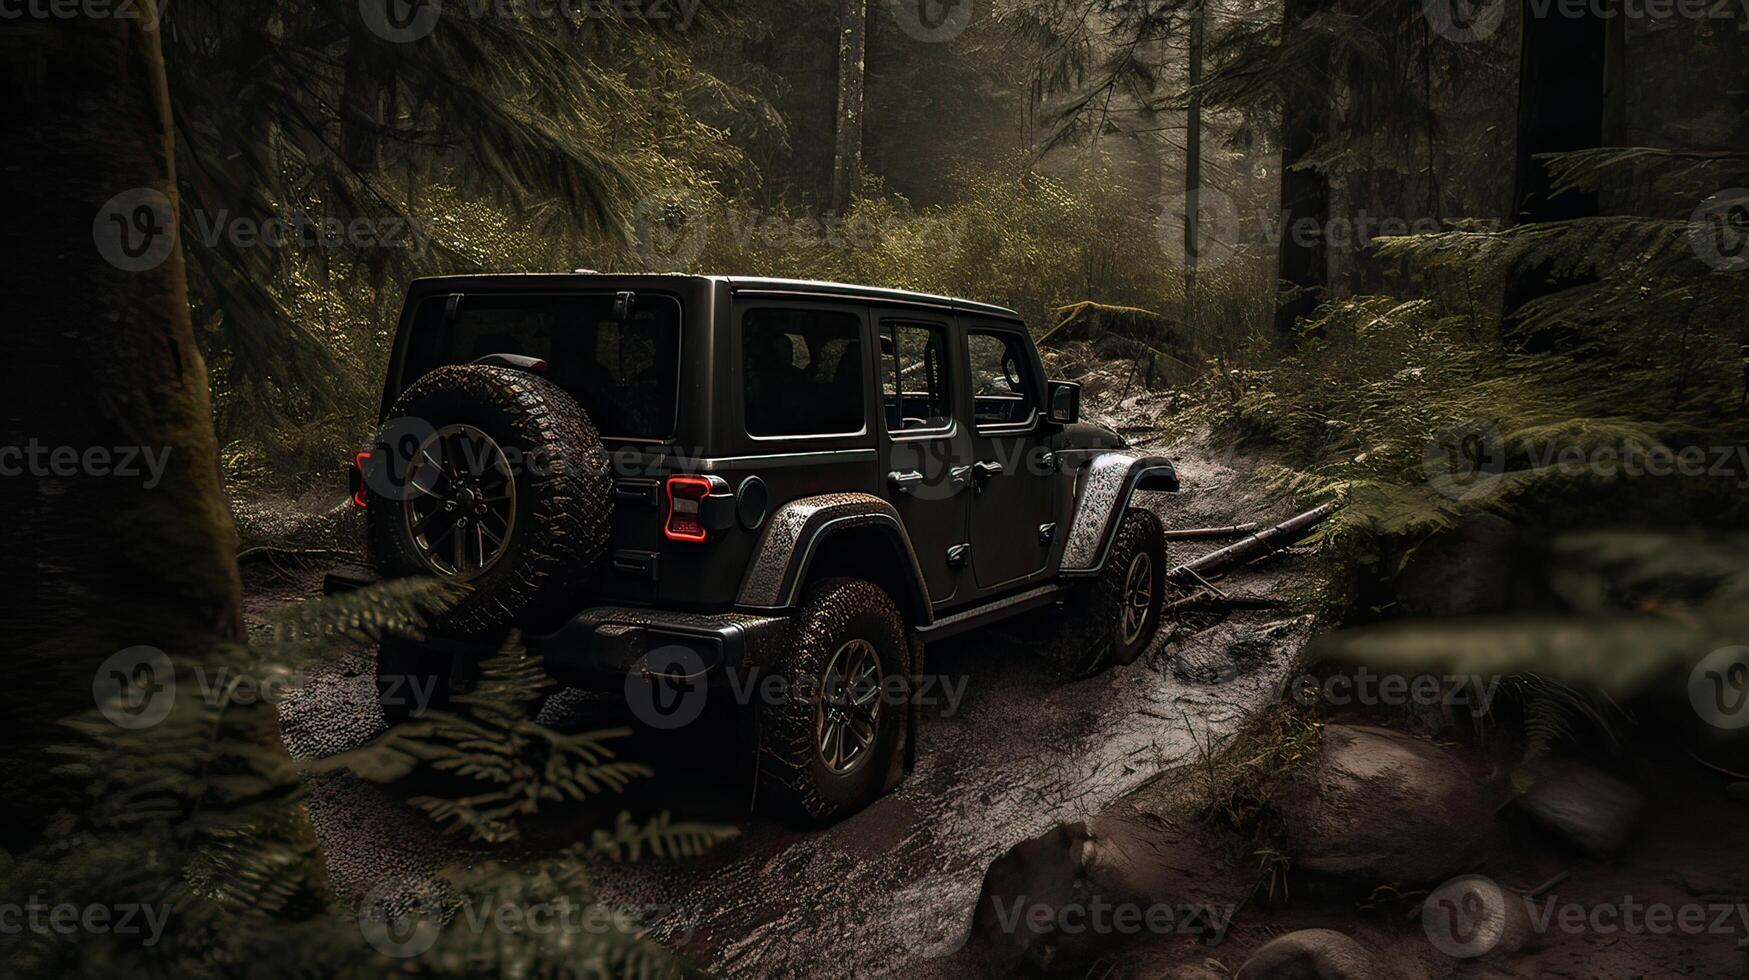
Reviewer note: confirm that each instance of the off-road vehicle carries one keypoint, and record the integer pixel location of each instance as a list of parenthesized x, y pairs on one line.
[(669, 480)]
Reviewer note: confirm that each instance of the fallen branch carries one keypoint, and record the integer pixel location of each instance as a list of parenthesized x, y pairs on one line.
[(1264, 542), (1205, 533)]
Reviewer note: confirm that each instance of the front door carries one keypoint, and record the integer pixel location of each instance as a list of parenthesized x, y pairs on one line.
[(926, 452), (1012, 500)]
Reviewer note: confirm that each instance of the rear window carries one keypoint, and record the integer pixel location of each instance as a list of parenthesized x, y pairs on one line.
[(625, 375), (802, 372)]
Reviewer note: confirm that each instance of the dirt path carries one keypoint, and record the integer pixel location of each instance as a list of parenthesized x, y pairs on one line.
[(895, 884)]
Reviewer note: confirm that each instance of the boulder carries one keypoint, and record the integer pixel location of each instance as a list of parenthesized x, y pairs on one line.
[(1464, 571), (1383, 808), (1055, 903), (1592, 809), (1313, 954)]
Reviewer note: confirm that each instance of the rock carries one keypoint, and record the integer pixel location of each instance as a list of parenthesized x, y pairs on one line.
[(1382, 808), (1055, 903), (1593, 809), (1313, 954), (1464, 571)]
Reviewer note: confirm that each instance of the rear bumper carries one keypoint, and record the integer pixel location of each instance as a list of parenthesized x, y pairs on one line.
[(601, 647)]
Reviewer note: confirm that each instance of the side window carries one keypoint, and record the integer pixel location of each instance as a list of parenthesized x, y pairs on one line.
[(1004, 390), (913, 374), (802, 372)]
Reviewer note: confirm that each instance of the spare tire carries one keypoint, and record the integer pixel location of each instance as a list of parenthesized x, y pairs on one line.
[(494, 477)]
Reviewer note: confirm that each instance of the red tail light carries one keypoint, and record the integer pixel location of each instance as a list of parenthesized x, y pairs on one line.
[(685, 520), (359, 497)]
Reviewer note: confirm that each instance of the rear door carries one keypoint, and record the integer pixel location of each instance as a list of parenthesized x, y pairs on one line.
[(925, 446), (1013, 492)]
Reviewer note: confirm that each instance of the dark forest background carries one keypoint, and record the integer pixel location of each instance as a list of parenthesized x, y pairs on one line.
[(1525, 230)]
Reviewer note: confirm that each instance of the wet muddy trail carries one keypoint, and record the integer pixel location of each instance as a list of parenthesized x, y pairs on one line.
[(893, 887)]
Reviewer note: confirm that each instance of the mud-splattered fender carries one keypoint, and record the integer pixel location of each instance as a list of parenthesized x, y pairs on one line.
[(1104, 485), (795, 534)]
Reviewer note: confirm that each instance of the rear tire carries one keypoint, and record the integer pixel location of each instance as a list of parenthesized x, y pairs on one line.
[(519, 437), (828, 747), (1114, 618)]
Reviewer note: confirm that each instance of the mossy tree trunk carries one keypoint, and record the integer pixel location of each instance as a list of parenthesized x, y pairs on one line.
[(109, 549), (1305, 193)]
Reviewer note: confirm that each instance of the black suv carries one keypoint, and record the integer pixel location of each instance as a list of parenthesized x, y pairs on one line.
[(664, 479)]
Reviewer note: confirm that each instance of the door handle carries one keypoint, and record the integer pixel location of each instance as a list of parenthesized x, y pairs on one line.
[(982, 471), (959, 476), (904, 482)]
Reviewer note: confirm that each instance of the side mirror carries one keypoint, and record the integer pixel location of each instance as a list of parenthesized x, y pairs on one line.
[(1064, 399)]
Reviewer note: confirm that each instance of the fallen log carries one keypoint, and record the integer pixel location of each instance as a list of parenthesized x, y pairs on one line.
[(1207, 533), (1266, 541)]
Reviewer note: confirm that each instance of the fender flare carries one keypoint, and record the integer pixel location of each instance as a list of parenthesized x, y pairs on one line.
[(1103, 489), (793, 537)]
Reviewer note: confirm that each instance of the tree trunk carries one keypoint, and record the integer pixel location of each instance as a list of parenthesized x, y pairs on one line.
[(1193, 161), (119, 532), (1561, 103), (1305, 194), (852, 84)]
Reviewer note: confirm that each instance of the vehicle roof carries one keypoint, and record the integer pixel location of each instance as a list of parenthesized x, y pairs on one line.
[(754, 283)]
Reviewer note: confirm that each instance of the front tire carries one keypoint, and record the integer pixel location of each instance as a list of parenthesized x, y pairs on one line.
[(828, 747), (1114, 618)]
